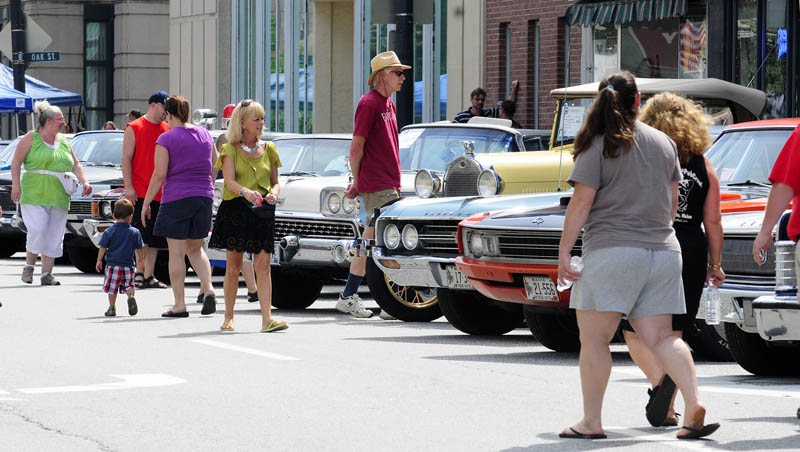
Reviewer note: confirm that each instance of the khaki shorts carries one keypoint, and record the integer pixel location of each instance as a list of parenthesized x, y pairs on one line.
[(633, 281), (377, 199)]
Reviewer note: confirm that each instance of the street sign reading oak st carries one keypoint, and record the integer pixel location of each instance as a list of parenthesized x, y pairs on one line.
[(40, 57)]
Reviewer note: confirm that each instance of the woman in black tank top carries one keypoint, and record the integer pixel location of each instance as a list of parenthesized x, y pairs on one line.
[(698, 205)]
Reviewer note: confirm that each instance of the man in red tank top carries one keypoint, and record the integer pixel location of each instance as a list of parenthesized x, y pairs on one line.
[(138, 162)]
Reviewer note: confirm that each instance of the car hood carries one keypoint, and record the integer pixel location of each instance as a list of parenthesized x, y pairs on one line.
[(746, 223), (302, 194), (462, 207)]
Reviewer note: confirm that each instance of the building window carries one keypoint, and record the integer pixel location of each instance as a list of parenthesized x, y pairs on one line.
[(504, 63), (606, 57), (747, 37), (776, 57), (98, 64), (533, 67)]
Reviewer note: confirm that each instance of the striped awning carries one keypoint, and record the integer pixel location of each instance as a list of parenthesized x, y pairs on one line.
[(588, 13)]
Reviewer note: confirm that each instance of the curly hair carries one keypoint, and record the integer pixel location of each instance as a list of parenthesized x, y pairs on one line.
[(246, 109), (682, 120), (612, 115)]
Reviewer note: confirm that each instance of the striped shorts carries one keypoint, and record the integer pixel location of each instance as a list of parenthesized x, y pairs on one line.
[(118, 279)]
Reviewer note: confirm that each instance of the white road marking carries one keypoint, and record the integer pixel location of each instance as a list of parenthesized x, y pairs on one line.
[(666, 437), (251, 351), (3, 392), (128, 382), (775, 390)]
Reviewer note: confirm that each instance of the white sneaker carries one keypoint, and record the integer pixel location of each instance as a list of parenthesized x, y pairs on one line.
[(27, 274), (386, 316), (353, 306)]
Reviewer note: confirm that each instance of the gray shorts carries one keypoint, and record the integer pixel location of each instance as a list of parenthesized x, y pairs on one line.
[(378, 199), (634, 281)]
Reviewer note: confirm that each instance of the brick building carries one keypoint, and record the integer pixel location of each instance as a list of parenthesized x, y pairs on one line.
[(526, 40)]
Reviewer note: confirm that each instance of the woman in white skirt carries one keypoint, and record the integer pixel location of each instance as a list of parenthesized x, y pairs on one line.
[(42, 196)]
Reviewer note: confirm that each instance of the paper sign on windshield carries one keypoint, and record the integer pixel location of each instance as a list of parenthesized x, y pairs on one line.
[(572, 119)]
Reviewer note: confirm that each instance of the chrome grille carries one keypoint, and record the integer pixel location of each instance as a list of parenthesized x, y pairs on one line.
[(739, 266), (540, 245), (80, 208), (314, 229), (461, 177), (439, 237)]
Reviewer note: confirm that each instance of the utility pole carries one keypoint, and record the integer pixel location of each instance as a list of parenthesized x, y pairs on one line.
[(403, 46), (17, 49)]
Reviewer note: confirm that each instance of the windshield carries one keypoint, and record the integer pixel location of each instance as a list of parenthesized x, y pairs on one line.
[(747, 155), (98, 148), (6, 152), (318, 156), (433, 148)]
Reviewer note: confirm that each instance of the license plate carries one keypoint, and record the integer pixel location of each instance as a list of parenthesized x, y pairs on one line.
[(456, 279), (276, 255), (540, 288)]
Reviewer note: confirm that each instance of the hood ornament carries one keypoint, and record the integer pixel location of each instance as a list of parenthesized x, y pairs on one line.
[(537, 220)]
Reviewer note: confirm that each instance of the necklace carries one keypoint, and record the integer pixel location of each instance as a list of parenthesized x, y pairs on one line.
[(249, 149)]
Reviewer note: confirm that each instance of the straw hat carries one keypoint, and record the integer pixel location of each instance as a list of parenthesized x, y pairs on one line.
[(382, 61)]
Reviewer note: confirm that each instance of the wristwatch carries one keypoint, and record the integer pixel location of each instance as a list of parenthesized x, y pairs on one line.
[(715, 266)]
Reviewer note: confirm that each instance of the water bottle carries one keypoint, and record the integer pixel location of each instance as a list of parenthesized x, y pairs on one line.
[(575, 263), (712, 305)]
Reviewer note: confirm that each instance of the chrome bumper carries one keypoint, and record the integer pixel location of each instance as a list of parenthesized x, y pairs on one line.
[(778, 318), (308, 253), (417, 271), (94, 229), (736, 305)]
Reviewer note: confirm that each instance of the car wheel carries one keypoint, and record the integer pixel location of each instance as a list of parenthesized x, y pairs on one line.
[(558, 332), (8, 247), (708, 341), (83, 258), (294, 290), (756, 356), (472, 313), (405, 303)]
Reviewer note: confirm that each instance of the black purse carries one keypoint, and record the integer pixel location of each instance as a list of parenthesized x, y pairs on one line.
[(265, 211)]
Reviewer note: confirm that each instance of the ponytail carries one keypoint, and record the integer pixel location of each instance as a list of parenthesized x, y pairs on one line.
[(612, 115)]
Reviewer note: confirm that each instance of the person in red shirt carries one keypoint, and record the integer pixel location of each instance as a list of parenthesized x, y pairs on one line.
[(374, 161), (138, 162)]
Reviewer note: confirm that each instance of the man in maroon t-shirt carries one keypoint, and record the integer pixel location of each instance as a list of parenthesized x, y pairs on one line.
[(785, 178), (374, 161)]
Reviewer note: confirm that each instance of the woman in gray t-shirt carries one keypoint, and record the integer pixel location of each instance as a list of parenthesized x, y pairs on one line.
[(626, 178)]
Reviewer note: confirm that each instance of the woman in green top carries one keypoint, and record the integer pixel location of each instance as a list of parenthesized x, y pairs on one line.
[(43, 201), (250, 168)]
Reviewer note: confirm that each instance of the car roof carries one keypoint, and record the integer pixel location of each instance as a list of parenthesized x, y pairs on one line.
[(779, 122), (327, 136), (752, 100), (448, 124), (89, 132)]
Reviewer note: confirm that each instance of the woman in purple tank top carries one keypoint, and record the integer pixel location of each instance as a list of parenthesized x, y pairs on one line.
[(184, 165)]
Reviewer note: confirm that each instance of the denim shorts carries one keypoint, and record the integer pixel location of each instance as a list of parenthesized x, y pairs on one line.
[(633, 281), (186, 218)]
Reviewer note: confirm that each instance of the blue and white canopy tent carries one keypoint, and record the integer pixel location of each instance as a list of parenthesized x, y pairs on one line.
[(12, 100), (36, 89)]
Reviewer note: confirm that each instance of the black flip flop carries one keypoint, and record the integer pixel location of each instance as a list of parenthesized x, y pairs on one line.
[(175, 314), (200, 297), (252, 297), (209, 305), (697, 433), (579, 435), (660, 397)]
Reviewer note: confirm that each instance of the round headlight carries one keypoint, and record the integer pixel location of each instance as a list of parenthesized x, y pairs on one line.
[(488, 183), (410, 237), (391, 237), (334, 202), (348, 205), (105, 209), (426, 184)]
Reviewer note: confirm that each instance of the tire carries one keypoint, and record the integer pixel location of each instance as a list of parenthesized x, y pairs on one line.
[(294, 290), (408, 304), (161, 269), (83, 258), (555, 331), (756, 356), (708, 341), (472, 313)]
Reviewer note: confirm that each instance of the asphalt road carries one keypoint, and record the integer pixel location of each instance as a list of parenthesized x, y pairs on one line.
[(73, 380)]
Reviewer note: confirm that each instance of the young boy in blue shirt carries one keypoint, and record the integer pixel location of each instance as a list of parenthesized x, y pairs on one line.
[(118, 244)]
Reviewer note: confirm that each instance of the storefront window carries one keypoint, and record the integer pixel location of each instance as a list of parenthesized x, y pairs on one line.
[(776, 57), (605, 51), (692, 58), (746, 35), (650, 49)]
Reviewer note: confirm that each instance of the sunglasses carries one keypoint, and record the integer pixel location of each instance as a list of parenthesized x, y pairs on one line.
[(246, 102), (399, 73)]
